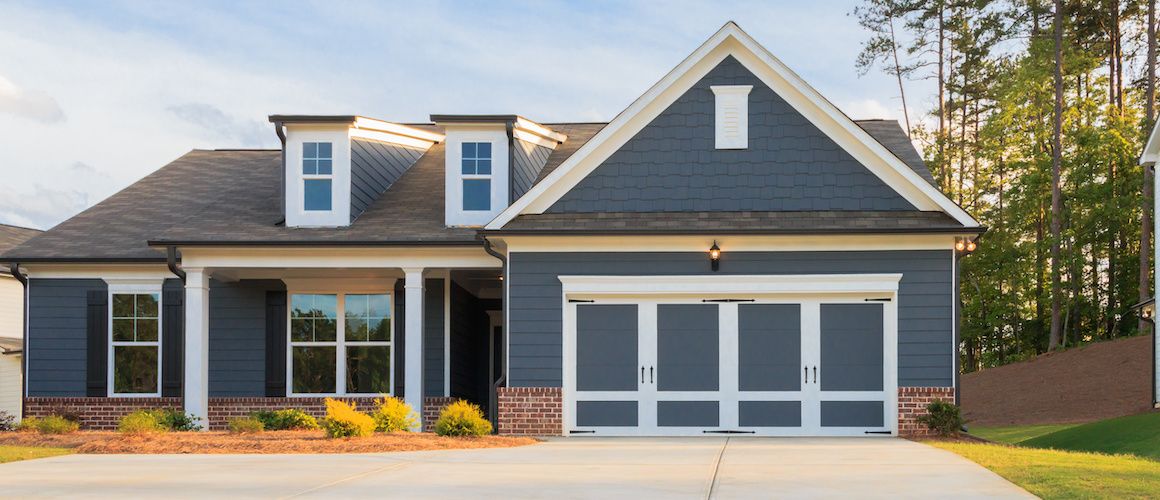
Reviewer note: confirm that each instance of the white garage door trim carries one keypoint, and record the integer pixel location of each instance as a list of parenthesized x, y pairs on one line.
[(808, 290)]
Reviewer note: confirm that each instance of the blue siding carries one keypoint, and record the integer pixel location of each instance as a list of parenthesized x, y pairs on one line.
[(237, 337), (432, 337), (57, 322), (924, 308), (672, 165), (528, 160), (374, 167)]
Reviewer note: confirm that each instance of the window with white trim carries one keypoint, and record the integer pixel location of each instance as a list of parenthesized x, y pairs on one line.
[(317, 176), (135, 343), (351, 356), (476, 175)]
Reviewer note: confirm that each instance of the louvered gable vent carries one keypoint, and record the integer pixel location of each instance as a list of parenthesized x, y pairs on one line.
[(732, 116)]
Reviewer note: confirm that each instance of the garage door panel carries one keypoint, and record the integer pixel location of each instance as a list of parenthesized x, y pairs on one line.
[(688, 343), (688, 413), (607, 357), (769, 347), (851, 347), (770, 413), (852, 414), (607, 413)]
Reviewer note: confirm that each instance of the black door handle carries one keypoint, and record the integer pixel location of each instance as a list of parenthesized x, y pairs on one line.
[(642, 374), (650, 375), (815, 374), (806, 371)]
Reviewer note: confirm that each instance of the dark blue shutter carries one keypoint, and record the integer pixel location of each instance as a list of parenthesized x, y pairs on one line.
[(172, 342), (276, 343), (97, 366)]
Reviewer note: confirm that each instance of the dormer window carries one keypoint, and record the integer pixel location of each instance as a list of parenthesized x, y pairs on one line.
[(317, 176), (476, 170)]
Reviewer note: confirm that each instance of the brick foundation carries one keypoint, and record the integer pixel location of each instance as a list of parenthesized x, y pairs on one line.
[(222, 410), (530, 411), (95, 413), (912, 403), (432, 406)]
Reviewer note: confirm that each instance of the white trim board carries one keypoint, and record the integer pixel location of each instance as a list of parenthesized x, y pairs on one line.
[(730, 40), (797, 284), (727, 243)]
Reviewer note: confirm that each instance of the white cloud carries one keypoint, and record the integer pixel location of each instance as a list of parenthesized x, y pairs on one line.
[(31, 104)]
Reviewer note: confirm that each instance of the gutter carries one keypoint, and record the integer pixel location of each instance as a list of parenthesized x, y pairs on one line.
[(14, 268), (772, 232), (171, 262)]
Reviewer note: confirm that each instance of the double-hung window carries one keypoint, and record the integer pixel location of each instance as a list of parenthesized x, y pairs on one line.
[(347, 356), (317, 176), (476, 175), (135, 343)]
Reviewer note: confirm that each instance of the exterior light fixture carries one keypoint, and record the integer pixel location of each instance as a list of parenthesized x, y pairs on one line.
[(971, 246), (960, 245), (715, 256), (965, 246)]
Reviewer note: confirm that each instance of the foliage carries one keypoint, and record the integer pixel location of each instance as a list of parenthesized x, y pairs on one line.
[(245, 425), (52, 424), (16, 453), (462, 419), (287, 419), (142, 422), (942, 417), (393, 415), (7, 421), (344, 420), (176, 420), (1064, 474), (1017, 433), (1135, 434)]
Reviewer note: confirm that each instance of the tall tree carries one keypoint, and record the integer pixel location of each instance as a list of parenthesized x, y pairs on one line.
[(1146, 204), (1056, 167)]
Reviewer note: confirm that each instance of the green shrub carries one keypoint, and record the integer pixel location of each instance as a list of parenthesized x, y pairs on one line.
[(54, 424), (942, 417), (344, 420), (288, 419), (176, 420), (462, 419), (245, 425), (7, 421), (141, 422), (393, 415)]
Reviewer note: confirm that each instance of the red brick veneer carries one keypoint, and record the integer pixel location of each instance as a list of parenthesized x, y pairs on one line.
[(530, 411), (912, 403), (432, 406), (94, 413)]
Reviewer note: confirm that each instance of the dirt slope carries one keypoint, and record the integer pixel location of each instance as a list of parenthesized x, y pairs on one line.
[(1095, 382)]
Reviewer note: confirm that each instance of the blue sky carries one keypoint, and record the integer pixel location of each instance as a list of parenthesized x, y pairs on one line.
[(96, 95)]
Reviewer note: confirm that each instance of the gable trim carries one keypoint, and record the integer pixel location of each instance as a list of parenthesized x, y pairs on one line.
[(730, 40)]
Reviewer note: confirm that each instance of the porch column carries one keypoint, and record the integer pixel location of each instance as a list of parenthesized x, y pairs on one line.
[(196, 385), (413, 345)]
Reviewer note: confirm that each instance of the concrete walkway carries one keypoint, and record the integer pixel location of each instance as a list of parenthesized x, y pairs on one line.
[(693, 468)]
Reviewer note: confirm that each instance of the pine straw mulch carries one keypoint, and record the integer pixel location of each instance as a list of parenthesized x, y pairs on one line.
[(98, 442), (960, 437)]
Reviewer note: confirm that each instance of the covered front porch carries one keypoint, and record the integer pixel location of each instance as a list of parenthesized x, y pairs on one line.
[(269, 328)]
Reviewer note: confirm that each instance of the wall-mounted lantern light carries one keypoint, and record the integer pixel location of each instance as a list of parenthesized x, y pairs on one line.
[(715, 256), (965, 246)]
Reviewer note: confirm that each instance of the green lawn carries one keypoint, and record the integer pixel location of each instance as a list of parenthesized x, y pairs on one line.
[(14, 453), (1135, 434), (1016, 434), (1065, 474)]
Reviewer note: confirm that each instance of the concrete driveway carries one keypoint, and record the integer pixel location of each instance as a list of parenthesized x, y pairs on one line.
[(558, 469)]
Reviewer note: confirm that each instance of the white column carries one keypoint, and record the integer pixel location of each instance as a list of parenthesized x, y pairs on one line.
[(196, 385), (413, 332)]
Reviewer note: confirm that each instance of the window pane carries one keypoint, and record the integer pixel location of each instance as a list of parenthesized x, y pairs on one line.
[(469, 150), (477, 194), (483, 167), (147, 305), (379, 329), (301, 330), (325, 330), (324, 150), (326, 305), (324, 167), (123, 305), (379, 305), (317, 194), (134, 370), (356, 329), (483, 150), (469, 167), (356, 306), (147, 330), (368, 369), (315, 369), (123, 329), (310, 150)]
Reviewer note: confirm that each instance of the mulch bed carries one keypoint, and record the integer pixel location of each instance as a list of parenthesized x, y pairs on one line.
[(961, 437), (96, 442)]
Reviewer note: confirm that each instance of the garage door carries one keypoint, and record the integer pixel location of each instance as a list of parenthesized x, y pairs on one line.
[(786, 366)]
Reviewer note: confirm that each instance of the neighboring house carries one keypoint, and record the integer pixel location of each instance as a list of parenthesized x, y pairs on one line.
[(1148, 159), (730, 254), (11, 323)]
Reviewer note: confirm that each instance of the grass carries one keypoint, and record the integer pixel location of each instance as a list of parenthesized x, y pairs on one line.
[(1135, 434), (1016, 434), (14, 453), (1054, 474)]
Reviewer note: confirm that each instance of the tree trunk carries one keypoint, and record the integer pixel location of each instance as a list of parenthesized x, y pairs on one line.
[(1146, 207), (898, 73), (941, 140), (1056, 164)]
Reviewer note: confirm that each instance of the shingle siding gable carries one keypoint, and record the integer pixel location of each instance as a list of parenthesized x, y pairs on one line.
[(672, 166), (374, 167)]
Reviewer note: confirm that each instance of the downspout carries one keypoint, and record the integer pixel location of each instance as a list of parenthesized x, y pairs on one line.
[(281, 193), (15, 269), (499, 382), (171, 261)]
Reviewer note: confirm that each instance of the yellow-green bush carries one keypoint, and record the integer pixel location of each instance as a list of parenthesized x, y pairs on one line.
[(344, 420), (52, 424), (289, 419), (462, 419), (245, 425), (141, 422), (393, 415)]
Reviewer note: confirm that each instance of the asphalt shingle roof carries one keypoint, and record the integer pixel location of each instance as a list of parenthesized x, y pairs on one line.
[(11, 236)]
